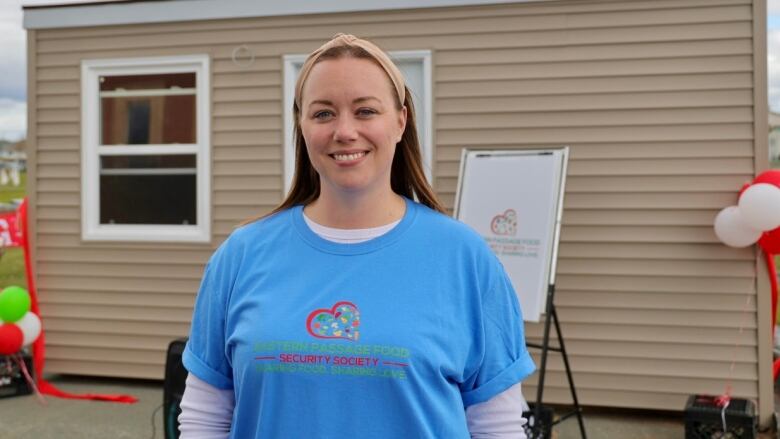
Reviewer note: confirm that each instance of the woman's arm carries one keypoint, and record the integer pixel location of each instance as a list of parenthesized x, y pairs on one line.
[(500, 417), (206, 411)]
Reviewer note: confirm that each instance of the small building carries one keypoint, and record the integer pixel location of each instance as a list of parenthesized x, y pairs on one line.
[(157, 126)]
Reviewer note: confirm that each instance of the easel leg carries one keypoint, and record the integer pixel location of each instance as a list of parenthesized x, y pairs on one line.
[(568, 373), (538, 428)]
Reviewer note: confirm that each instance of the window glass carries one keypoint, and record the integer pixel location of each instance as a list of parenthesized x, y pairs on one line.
[(148, 109), (148, 189), (147, 161), (147, 82), (414, 76)]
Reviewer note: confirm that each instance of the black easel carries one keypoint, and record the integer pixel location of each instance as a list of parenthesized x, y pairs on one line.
[(552, 315), (541, 425)]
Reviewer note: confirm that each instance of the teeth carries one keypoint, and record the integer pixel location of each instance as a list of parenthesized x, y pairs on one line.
[(345, 157)]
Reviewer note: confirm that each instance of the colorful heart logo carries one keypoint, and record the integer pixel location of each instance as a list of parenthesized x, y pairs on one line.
[(341, 321), (505, 224)]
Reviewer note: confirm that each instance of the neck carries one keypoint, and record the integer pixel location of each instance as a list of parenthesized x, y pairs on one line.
[(356, 211)]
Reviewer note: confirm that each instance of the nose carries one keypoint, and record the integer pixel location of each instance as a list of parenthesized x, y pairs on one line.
[(346, 130)]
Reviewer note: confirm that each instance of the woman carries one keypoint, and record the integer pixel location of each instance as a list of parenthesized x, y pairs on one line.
[(351, 310)]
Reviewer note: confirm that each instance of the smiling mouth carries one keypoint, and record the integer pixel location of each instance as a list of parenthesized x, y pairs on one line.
[(348, 157)]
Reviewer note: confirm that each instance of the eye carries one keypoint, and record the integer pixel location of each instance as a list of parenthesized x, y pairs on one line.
[(323, 115), (366, 112)]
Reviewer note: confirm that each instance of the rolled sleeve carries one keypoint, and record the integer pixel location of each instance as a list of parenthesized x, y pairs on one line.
[(200, 369), (205, 355), (504, 360)]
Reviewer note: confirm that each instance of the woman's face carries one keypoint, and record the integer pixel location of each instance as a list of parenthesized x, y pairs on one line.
[(351, 125)]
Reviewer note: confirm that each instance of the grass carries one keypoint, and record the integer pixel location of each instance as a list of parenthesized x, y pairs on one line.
[(12, 268), (9, 193)]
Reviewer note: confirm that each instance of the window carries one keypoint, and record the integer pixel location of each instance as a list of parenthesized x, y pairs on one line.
[(416, 68), (145, 153)]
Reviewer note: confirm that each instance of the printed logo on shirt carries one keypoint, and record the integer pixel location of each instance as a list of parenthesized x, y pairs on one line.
[(340, 321), (505, 224)]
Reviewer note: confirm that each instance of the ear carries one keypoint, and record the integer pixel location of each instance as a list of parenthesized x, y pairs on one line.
[(401, 123)]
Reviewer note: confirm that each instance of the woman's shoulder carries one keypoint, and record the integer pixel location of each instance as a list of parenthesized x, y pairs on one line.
[(455, 240), (255, 232), (449, 229), (263, 224)]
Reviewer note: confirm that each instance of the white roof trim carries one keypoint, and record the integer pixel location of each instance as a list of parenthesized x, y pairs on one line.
[(189, 10)]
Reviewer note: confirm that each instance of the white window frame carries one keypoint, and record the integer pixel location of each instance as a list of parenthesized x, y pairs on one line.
[(91, 229), (292, 64)]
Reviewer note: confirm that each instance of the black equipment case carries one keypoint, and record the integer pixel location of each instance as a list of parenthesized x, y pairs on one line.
[(12, 381), (173, 388)]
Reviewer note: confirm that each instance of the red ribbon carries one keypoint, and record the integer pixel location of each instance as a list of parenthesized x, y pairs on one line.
[(39, 348), (722, 400), (770, 263)]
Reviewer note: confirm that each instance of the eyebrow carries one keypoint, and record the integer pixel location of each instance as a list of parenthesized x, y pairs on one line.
[(355, 101)]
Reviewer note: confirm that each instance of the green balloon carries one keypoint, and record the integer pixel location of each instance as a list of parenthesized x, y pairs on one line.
[(14, 304)]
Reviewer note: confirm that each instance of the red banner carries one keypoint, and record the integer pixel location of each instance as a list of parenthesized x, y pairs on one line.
[(10, 232), (39, 347)]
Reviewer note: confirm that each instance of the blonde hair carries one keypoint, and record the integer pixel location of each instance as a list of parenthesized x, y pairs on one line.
[(407, 177)]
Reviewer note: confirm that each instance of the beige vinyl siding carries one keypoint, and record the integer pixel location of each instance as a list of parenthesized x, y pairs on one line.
[(655, 98), (766, 324)]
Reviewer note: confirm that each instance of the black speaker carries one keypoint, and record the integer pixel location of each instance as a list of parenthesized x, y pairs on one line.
[(12, 380), (541, 429), (173, 388)]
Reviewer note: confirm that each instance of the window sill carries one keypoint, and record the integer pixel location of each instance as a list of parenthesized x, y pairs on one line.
[(147, 233)]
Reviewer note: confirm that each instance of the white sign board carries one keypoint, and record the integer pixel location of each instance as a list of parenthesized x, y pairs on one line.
[(514, 199)]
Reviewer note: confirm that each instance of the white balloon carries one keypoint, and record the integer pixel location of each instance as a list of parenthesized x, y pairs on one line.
[(732, 230), (759, 206), (30, 325)]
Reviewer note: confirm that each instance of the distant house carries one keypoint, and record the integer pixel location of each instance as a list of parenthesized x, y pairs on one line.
[(13, 160), (13, 155), (19, 146), (156, 126)]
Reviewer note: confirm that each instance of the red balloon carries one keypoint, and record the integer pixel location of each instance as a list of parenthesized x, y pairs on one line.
[(770, 241), (11, 338), (771, 176)]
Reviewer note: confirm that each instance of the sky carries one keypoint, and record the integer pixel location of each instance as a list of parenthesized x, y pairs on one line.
[(773, 54), (13, 68)]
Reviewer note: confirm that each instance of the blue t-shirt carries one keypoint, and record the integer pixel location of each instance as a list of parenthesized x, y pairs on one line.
[(388, 338)]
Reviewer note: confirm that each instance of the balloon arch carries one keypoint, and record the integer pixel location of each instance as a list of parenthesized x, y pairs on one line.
[(756, 219)]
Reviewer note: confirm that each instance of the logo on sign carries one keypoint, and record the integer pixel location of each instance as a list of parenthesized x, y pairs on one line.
[(505, 224)]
